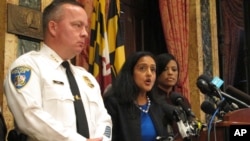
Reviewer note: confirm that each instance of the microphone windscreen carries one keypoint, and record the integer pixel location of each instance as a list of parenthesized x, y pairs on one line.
[(234, 92), (205, 77), (176, 97), (169, 111), (203, 82), (208, 107)]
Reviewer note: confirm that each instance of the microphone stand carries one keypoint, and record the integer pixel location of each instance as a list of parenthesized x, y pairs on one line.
[(235, 100)]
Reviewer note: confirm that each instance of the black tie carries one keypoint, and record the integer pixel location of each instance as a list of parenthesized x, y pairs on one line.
[(82, 124)]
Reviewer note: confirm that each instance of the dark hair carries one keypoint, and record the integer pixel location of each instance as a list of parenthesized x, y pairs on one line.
[(124, 87), (162, 60), (52, 11)]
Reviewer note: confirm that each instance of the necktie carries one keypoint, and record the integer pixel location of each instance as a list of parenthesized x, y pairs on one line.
[(82, 124)]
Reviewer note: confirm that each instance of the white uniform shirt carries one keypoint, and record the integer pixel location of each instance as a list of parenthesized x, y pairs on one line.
[(39, 97)]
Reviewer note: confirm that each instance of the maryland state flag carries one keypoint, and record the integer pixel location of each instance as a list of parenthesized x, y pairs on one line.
[(99, 62), (115, 38), (106, 53)]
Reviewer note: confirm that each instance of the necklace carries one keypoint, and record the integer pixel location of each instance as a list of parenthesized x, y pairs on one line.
[(148, 106)]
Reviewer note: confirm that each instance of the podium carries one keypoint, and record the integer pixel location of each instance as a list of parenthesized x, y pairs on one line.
[(220, 130)]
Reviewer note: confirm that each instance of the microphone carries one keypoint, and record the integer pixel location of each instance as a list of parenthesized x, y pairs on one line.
[(233, 99), (238, 94), (210, 86), (167, 108), (184, 128), (178, 99), (212, 89), (227, 107), (175, 114), (188, 126), (202, 84), (209, 108)]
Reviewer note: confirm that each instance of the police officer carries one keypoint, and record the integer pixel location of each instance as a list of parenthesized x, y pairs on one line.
[(37, 88)]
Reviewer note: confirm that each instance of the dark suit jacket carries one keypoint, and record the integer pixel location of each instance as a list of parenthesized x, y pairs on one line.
[(126, 120)]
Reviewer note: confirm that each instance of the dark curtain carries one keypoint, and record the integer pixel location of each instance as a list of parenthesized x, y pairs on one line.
[(232, 13)]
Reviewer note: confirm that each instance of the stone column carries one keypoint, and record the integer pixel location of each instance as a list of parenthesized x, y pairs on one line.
[(203, 48)]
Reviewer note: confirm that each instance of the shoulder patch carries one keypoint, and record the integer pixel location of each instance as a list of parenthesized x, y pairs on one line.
[(20, 76)]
